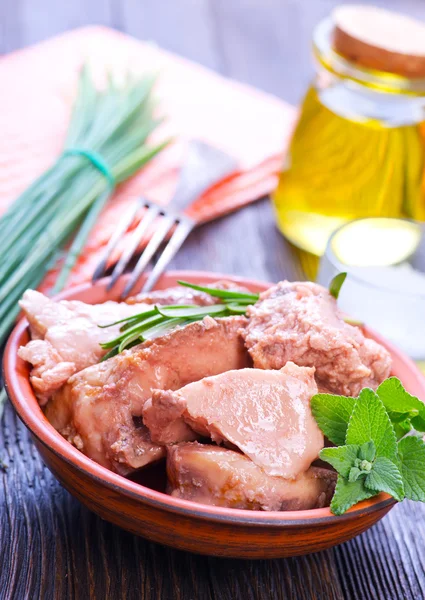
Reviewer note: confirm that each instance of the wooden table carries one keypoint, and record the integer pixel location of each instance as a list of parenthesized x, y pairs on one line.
[(50, 545)]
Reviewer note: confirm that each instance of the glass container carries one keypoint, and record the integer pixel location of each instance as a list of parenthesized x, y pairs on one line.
[(358, 149)]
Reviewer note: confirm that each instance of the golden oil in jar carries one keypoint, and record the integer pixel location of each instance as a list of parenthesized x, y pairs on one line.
[(358, 149)]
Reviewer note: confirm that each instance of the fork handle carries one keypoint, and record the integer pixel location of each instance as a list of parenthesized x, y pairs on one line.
[(204, 166)]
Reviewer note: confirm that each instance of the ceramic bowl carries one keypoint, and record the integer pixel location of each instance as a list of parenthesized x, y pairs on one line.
[(142, 508)]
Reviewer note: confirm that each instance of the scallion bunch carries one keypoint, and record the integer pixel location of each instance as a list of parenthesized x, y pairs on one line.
[(110, 126), (113, 123)]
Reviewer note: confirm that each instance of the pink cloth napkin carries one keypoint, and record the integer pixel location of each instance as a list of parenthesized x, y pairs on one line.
[(38, 87)]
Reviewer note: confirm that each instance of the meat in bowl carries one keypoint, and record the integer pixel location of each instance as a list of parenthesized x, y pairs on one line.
[(239, 385)]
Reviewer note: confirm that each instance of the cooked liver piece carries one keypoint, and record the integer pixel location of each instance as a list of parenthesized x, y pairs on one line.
[(95, 409), (266, 414), (66, 337), (221, 477), (301, 322)]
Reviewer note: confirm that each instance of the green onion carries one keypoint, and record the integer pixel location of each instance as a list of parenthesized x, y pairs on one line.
[(127, 320), (138, 328), (65, 202), (162, 319), (218, 293), (191, 311), (336, 284), (161, 328), (3, 397)]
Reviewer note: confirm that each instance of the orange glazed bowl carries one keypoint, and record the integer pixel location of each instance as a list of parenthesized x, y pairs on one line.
[(142, 508)]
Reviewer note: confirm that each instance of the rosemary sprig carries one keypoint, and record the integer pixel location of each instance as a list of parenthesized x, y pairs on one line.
[(224, 294), (161, 319)]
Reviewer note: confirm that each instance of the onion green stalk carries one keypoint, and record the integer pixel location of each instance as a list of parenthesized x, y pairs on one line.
[(114, 124), (161, 319), (61, 207)]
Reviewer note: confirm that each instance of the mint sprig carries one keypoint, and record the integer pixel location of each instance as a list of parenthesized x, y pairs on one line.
[(332, 414), (373, 453), (411, 452), (405, 411), (385, 476), (369, 421), (348, 493)]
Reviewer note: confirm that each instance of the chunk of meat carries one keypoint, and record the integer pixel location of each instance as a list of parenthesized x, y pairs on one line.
[(185, 295), (300, 322), (49, 370), (266, 414), (95, 410), (66, 337), (71, 334), (221, 477)]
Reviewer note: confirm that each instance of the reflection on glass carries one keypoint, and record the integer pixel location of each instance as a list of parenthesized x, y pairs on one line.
[(385, 286)]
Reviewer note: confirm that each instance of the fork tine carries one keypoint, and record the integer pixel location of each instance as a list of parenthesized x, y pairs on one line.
[(183, 229), (122, 227), (137, 236), (158, 237)]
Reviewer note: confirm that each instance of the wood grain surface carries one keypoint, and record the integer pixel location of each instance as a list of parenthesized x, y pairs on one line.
[(52, 547)]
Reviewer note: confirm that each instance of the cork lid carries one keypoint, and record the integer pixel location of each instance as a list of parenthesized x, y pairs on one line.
[(380, 39)]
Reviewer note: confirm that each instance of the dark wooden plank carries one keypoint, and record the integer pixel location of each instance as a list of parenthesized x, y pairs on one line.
[(391, 554), (222, 247)]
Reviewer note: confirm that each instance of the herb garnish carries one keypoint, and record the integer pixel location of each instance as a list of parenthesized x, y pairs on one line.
[(336, 284), (373, 453), (161, 319)]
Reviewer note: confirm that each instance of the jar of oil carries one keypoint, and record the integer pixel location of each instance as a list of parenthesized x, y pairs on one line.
[(358, 149)]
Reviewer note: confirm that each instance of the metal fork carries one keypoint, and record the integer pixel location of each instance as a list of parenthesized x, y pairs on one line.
[(204, 166)]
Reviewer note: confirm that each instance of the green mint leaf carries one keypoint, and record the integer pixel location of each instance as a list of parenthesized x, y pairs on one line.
[(400, 417), (354, 474), (400, 405), (385, 477), (341, 458), (369, 421), (411, 451), (402, 428), (336, 284), (350, 461), (332, 414), (348, 493), (367, 451)]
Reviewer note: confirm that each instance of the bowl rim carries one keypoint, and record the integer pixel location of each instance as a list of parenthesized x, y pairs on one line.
[(28, 410)]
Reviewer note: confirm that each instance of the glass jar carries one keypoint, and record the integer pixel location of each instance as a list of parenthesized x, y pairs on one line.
[(358, 149)]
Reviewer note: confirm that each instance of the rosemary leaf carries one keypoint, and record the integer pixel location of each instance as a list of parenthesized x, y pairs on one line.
[(158, 321), (198, 312), (218, 293), (139, 316)]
